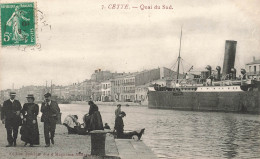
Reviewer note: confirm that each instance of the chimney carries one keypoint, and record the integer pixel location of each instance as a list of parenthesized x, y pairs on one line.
[(229, 57), (253, 58)]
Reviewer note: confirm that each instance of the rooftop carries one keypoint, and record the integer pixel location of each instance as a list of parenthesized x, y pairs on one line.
[(254, 62)]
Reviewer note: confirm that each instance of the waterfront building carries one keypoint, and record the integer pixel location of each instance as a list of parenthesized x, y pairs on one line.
[(38, 92), (73, 92), (103, 86), (106, 95), (59, 91), (85, 90), (21, 93), (96, 91), (124, 87), (253, 69), (100, 75), (80, 91), (141, 94), (147, 76)]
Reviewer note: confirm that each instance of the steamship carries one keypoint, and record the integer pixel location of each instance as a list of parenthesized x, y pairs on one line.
[(219, 93)]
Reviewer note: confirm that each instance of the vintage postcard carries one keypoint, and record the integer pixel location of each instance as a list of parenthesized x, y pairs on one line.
[(129, 79)]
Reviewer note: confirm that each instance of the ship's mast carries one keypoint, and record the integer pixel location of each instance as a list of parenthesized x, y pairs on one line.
[(179, 58), (51, 86), (46, 87)]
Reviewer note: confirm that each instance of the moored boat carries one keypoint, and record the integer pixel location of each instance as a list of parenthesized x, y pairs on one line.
[(221, 93)]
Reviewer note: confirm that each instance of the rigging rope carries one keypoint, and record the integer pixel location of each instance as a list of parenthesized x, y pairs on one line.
[(182, 66), (174, 65)]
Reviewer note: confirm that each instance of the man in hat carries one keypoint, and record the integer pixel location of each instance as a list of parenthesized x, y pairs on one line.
[(71, 122), (118, 110), (119, 128), (11, 118), (50, 112)]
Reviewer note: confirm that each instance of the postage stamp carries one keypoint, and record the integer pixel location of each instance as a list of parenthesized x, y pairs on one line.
[(18, 24)]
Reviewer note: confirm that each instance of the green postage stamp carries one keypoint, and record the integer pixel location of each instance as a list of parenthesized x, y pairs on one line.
[(18, 24)]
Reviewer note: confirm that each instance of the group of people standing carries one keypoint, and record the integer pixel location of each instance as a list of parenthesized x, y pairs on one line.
[(13, 115)]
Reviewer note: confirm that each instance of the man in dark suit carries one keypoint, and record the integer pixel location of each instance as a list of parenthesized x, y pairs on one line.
[(10, 116), (50, 112), (119, 128)]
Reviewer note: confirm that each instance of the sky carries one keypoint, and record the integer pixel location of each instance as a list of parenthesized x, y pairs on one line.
[(77, 37)]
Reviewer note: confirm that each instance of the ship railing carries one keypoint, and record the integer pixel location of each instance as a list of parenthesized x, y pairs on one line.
[(229, 82)]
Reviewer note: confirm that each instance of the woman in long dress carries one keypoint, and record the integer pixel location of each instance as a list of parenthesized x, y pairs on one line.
[(29, 130), (94, 120)]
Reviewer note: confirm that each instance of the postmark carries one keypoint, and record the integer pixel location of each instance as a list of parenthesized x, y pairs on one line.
[(18, 24)]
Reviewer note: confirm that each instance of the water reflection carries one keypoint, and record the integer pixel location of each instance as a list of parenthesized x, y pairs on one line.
[(230, 124), (185, 134)]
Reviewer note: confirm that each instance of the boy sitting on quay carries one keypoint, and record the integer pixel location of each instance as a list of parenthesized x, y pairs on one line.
[(119, 128)]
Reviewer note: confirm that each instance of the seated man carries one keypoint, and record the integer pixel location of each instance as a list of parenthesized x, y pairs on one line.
[(119, 127), (71, 122)]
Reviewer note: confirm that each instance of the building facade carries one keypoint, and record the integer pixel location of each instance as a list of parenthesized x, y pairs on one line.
[(141, 93), (106, 95), (123, 88), (253, 69), (96, 91), (103, 86), (100, 75)]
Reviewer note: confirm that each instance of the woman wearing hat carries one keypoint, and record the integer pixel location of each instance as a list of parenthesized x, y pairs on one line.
[(29, 130)]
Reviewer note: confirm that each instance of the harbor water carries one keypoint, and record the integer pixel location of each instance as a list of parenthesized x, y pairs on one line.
[(186, 134)]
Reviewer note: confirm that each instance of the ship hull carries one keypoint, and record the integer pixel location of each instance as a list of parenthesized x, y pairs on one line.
[(239, 102)]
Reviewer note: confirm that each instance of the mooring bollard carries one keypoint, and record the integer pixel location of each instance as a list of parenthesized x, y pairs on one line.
[(98, 142)]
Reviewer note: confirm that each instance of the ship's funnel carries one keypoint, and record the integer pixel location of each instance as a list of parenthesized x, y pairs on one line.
[(229, 58)]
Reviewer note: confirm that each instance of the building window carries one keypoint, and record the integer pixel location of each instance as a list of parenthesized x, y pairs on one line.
[(249, 68), (254, 69)]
